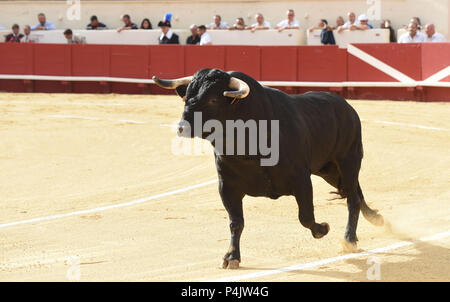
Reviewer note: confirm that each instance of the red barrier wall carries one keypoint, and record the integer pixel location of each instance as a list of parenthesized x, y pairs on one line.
[(264, 63)]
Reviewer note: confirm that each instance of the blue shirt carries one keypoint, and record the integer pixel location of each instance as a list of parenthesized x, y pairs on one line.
[(48, 25)]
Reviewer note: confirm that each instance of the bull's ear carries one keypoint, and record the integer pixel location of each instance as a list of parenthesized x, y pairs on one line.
[(181, 90)]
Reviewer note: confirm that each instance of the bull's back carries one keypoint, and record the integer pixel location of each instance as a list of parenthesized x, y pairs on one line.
[(332, 125)]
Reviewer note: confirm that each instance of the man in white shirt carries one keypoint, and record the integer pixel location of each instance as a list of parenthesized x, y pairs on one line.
[(432, 35), (26, 34), (351, 23), (205, 39), (413, 35), (218, 23), (260, 23), (289, 23)]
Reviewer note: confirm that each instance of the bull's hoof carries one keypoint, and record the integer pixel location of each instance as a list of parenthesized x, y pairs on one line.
[(349, 247), (323, 229), (230, 264)]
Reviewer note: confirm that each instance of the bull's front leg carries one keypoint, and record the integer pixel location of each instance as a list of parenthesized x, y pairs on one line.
[(232, 200), (304, 196)]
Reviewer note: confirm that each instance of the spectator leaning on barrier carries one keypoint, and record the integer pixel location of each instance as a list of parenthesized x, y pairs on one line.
[(260, 23), (43, 23), (15, 36), (363, 23), (26, 37), (205, 39), (218, 23), (413, 35), (339, 22), (432, 35), (146, 24), (127, 23), (167, 35), (239, 25), (289, 23), (350, 24), (194, 38), (386, 24), (71, 38), (326, 34), (95, 24)]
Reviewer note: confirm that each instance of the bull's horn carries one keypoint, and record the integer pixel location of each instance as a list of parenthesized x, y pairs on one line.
[(241, 89), (172, 84)]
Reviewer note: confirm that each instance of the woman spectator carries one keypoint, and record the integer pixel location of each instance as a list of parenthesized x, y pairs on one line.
[(146, 24)]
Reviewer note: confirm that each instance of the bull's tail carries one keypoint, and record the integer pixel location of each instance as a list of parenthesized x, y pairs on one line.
[(371, 215)]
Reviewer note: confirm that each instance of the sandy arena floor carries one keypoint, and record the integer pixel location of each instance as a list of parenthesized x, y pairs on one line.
[(63, 153)]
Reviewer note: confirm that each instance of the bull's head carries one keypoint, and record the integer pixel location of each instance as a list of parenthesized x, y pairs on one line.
[(210, 92)]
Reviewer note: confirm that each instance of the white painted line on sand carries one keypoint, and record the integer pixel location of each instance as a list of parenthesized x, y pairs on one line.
[(110, 207), (406, 125), (314, 264), (93, 118)]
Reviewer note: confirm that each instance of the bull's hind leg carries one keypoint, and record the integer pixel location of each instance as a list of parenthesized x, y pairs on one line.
[(349, 171), (304, 197)]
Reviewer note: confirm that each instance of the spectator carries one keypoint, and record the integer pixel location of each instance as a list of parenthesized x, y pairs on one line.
[(167, 35), (26, 37), (194, 38), (95, 24), (289, 23), (363, 23), (386, 24), (15, 36), (71, 38), (339, 22), (432, 35), (127, 24), (326, 34), (417, 21), (413, 35), (350, 24), (205, 39), (43, 23), (260, 23), (218, 23), (146, 24), (239, 25)]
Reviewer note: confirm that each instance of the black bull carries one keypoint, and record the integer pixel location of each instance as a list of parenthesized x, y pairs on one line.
[(319, 133)]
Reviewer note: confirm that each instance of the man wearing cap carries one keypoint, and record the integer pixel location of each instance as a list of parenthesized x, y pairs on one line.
[(167, 35), (363, 23)]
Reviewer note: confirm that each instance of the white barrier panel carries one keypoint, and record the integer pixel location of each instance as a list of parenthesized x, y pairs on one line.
[(260, 37), (150, 37), (347, 37)]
